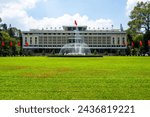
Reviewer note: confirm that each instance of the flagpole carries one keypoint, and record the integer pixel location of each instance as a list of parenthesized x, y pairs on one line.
[(75, 22)]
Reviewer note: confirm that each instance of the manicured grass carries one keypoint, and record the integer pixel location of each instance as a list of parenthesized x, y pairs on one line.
[(75, 78)]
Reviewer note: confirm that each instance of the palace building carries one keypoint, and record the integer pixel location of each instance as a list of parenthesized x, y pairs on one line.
[(51, 41)]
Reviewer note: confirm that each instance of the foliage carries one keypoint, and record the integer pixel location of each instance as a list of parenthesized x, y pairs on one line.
[(7, 50), (138, 38), (4, 26), (146, 38), (7, 35), (140, 17), (140, 21), (104, 78)]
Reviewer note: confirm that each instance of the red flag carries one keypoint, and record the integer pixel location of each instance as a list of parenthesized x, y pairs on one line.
[(132, 44), (3, 44), (75, 22), (11, 44), (19, 43), (27, 44), (148, 42), (141, 44)]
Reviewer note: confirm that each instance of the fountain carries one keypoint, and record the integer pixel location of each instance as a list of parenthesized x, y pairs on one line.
[(75, 46)]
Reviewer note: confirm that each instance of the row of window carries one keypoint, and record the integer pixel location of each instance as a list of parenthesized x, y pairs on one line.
[(68, 33), (89, 45), (85, 38), (88, 41), (31, 40)]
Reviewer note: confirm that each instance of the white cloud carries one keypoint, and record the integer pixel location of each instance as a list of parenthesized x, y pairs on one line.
[(15, 13), (67, 19), (131, 4)]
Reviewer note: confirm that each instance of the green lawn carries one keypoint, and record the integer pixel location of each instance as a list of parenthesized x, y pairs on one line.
[(75, 78)]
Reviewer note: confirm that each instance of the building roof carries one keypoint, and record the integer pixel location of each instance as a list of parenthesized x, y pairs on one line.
[(73, 28)]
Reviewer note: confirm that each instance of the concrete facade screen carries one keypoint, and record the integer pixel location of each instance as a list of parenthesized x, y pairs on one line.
[(56, 39)]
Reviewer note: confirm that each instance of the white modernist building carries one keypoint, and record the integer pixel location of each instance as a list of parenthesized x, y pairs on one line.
[(101, 41)]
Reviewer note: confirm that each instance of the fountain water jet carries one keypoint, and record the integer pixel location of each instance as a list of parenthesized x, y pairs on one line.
[(76, 46)]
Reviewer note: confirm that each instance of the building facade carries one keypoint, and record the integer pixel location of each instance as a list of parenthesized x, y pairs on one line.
[(51, 41)]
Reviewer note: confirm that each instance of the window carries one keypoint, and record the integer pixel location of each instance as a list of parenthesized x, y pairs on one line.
[(30, 40), (113, 41), (35, 40), (123, 41), (45, 41), (108, 40), (25, 39), (118, 40), (104, 40), (40, 40)]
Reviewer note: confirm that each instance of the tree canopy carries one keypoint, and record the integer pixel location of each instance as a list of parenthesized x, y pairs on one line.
[(139, 26), (140, 17), (9, 41)]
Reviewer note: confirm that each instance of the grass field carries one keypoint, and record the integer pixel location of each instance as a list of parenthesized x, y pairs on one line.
[(75, 78)]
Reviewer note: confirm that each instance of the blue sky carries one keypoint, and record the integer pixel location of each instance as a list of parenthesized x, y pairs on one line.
[(94, 9), (27, 14)]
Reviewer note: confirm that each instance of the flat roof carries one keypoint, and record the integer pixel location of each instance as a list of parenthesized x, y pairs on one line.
[(70, 29)]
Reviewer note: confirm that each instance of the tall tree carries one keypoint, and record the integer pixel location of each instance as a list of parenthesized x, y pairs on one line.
[(4, 26), (140, 17), (140, 21)]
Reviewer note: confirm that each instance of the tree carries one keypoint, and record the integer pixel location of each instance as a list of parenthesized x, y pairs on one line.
[(7, 49), (11, 32), (9, 39), (4, 26), (0, 24), (137, 39), (140, 17), (140, 21), (0, 20)]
